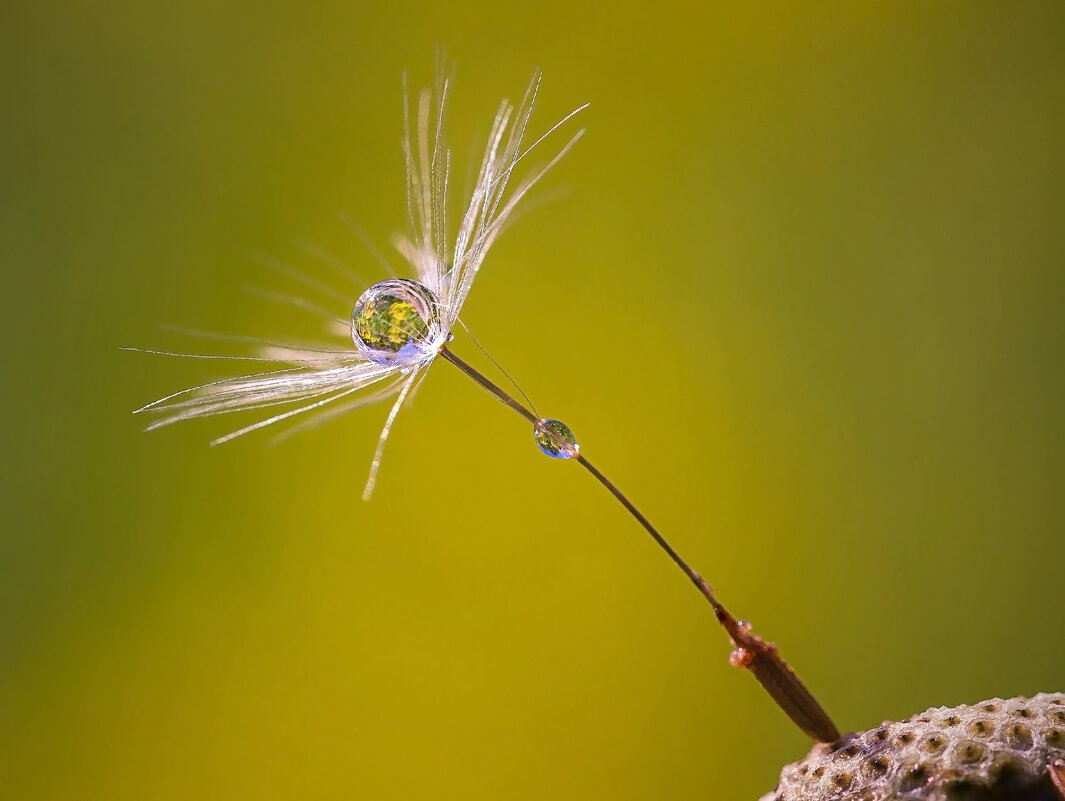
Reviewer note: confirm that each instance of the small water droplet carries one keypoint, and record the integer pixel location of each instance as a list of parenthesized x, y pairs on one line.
[(556, 439), (394, 319)]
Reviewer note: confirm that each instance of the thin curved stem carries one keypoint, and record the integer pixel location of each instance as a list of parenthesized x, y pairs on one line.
[(751, 651)]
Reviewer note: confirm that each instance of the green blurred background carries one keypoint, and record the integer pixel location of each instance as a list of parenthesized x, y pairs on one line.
[(799, 291)]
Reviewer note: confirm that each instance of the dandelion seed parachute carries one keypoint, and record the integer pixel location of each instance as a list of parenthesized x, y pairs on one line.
[(398, 327)]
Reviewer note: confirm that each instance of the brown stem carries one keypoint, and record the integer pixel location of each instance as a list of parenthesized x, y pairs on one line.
[(751, 651)]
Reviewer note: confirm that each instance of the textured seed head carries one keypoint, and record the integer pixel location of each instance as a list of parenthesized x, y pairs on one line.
[(997, 750)]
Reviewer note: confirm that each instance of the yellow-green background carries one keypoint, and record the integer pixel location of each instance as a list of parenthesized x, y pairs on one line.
[(800, 291)]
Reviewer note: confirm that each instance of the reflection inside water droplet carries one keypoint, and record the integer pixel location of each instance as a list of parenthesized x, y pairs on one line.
[(556, 439), (394, 319)]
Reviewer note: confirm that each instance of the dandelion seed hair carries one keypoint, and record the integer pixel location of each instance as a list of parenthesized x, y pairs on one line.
[(397, 326)]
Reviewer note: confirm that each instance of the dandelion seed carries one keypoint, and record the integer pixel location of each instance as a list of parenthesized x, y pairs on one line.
[(398, 327)]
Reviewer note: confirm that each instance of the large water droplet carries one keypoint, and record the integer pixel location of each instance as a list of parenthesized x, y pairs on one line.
[(556, 439), (393, 319)]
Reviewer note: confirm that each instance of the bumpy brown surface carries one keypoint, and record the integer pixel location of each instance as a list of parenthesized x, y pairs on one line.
[(996, 750)]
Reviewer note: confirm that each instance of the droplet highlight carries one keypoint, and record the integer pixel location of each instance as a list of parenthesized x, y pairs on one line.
[(556, 439)]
